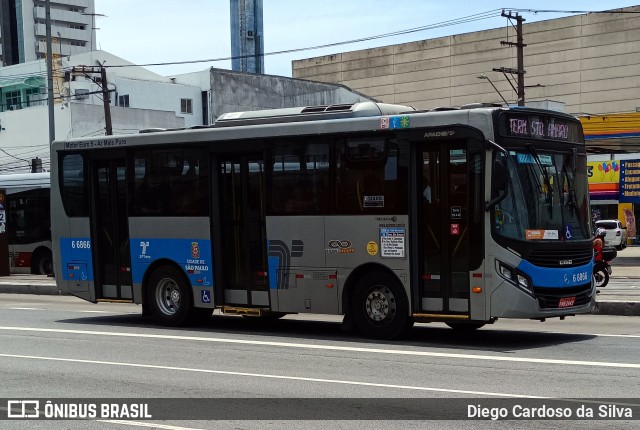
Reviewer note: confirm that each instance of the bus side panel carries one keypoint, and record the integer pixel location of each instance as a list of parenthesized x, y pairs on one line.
[(299, 280), (351, 241), (73, 259), (186, 243), (310, 257)]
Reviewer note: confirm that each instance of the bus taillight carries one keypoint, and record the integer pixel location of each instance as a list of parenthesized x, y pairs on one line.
[(23, 259)]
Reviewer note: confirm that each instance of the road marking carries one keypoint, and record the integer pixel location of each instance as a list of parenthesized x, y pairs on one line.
[(267, 376), (143, 424), (334, 348), (600, 334), (27, 309)]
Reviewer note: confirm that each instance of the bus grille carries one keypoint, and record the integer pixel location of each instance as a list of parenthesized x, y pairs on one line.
[(549, 298), (560, 258)]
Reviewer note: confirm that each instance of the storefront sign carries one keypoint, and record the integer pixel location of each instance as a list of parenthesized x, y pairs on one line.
[(629, 181)]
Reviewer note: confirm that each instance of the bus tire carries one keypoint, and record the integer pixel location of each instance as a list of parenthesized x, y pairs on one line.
[(379, 306), (42, 263), (168, 296), (460, 326)]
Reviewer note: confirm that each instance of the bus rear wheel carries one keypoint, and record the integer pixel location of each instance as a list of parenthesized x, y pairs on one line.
[(168, 296), (42, 263), (379, 306)]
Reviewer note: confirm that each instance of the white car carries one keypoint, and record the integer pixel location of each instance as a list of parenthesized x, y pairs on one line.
[(616, 233)]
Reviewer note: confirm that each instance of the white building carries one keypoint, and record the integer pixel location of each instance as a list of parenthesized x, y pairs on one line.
[(23, 32), (139, 99)]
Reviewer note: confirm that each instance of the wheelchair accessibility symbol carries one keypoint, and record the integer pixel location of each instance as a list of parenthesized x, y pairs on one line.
[(567, 232), (205, 296)]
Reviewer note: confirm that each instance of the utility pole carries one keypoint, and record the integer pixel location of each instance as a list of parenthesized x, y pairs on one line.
[(106, 100), (52, 125), (519, 44), (104, 90)]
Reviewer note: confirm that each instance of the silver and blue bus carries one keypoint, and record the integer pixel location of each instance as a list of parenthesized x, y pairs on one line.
[(377, 212)]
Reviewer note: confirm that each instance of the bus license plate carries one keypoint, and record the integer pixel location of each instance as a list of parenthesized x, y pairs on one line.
[(565, 302)]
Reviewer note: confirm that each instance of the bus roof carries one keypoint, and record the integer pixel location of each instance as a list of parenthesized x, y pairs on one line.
[(301, 121), (310, 113), (18, 182)]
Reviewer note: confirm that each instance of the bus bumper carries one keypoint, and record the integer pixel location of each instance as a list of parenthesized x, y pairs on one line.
[(508, 301)]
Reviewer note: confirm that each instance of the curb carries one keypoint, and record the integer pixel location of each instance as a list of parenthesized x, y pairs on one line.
[(42, 290), (620, 308)]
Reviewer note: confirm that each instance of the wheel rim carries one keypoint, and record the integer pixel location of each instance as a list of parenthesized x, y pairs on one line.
[(168, 296), (380, 305), (600, 277), (45, 266)]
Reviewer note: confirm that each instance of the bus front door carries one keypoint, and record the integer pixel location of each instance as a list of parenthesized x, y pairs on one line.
[(241, 259), (110, 231), (444, 224)]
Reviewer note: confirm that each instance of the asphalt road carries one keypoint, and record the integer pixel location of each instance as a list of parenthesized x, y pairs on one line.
[(54, 347)]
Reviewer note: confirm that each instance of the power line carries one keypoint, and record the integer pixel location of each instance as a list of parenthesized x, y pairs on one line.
[(515, 9), (457, 21)]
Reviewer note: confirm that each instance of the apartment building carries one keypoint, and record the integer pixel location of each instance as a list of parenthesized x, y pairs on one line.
[(23, 30)]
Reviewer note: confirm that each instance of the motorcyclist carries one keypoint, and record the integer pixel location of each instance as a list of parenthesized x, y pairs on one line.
[(598, 244)]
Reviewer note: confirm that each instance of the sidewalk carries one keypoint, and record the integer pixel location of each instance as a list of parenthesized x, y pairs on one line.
[(621, 299), (624, 297)]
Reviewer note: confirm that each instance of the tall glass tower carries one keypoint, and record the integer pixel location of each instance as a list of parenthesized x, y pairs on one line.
[(247, 41)]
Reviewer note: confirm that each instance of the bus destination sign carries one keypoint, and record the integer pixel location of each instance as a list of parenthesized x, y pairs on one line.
[(539, 127)]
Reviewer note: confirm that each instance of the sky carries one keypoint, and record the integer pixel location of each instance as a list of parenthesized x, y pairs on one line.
[(161, 31)]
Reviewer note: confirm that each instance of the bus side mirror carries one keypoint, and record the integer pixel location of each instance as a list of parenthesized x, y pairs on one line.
[(500, 183), (500, 176)]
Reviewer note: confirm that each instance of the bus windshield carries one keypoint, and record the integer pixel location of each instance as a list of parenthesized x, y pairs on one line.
[(546, 197)]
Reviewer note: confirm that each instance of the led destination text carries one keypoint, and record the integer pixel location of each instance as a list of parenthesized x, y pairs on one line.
[(533, 128)]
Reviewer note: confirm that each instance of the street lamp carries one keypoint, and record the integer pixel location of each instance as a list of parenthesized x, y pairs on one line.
[(494, 87), (93, 23)]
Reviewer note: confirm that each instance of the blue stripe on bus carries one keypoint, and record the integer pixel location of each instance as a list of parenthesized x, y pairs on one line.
[(273, 263), (193, 256), (557, 277), (75, 253)]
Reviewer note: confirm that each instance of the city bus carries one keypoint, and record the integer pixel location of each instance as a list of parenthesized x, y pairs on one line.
[(378, 212), (27, 222)]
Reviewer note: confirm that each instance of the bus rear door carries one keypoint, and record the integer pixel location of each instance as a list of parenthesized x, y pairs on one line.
[(110, 230), (241, 257)]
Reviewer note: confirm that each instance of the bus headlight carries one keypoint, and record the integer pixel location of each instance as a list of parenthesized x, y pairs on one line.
[(516, 277), (505, 272), (523, 281)]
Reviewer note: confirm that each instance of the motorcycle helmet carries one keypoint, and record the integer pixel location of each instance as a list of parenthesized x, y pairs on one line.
[(601, 232)]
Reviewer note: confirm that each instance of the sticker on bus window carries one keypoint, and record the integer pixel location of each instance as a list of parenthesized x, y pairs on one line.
[(542, 234), (392, 242), (373, 202)]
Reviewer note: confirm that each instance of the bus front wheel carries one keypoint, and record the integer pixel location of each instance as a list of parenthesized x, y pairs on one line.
[(379, 306), (168, 296)]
